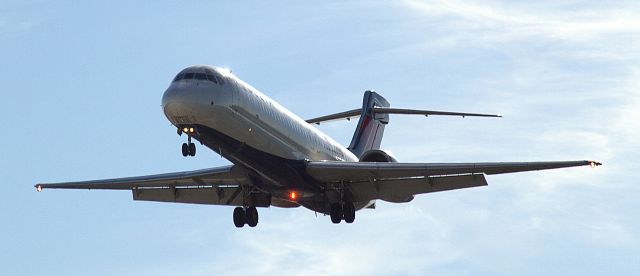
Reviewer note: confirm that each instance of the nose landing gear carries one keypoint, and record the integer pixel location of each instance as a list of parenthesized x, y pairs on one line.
[(188, 149)]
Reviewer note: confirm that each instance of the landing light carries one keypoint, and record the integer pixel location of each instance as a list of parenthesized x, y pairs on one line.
[(185, 129), (293, 195), (191, 130)]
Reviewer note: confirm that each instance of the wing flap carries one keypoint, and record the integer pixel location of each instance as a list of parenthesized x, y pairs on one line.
[(403, 190), (228, 195)]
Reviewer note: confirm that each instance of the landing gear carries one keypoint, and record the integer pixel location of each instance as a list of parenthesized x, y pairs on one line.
[(242, 216), (239, 217), (252, 216), (188, 149), (349, 212), (345, 211), (336, 213)]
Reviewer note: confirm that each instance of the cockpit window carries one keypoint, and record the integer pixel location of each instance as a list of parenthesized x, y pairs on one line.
[(210, 75), (179, 77)]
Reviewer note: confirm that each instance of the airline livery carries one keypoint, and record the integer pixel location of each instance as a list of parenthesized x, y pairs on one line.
[(284, 161)]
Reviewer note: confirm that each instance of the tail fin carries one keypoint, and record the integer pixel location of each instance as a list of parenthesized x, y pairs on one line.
[(368, 134)]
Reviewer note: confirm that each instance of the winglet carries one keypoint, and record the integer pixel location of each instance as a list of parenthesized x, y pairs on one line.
[(38, 187), (594, 164)]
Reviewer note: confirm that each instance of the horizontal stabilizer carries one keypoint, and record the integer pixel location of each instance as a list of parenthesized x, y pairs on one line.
[(386, 110)]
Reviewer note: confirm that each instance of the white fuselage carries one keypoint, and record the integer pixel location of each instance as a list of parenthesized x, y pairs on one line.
[(236, 109)]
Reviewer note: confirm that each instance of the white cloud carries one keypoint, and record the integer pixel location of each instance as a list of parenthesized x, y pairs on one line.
[(540, 20)]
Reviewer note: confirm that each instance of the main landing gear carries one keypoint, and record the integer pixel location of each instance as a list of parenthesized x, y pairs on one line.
[(339, 211), (242, 216)]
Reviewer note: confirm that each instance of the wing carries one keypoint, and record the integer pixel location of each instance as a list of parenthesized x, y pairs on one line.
[(217, 186), (398, 182)]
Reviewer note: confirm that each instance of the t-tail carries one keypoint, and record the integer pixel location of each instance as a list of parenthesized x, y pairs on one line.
[(374, 115), (368, 134)]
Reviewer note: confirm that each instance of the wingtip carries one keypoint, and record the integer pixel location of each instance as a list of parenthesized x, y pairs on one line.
[(594, 164), (38, 187)]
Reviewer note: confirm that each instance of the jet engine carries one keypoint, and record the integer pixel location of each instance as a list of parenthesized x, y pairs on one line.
[(378, 156), (383, 156)]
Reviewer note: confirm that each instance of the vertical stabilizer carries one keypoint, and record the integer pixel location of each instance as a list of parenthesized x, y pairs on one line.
[(368, 135)]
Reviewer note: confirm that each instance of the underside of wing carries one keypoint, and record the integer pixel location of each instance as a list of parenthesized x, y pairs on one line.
[(403, 190), (398, 182), (218, 186)]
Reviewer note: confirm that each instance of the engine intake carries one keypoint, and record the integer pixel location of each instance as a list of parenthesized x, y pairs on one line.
[(378, 156)]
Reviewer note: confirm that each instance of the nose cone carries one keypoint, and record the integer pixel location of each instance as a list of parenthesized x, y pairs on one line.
[(176, 106)]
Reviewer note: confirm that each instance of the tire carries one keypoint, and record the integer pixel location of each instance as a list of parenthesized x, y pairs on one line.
[(349, 212), (239, 217), (336, 213), (185, 149), (252, 216), (192, 149)]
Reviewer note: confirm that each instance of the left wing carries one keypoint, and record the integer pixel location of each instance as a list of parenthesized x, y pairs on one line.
[(217, 186), (331, 171), (398, 182)]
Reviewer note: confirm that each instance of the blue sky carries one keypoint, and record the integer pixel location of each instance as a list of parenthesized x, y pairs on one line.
[(82, 84)]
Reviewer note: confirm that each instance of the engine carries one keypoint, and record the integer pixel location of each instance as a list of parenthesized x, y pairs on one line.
[(378, 156), (383, 156)]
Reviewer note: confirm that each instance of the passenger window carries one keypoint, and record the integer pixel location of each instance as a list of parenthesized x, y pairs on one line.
[(212, 78), (188, 76), (201, 76), (179, 77)]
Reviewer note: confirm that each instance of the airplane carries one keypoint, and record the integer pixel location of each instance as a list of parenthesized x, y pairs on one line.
[(284, 161)]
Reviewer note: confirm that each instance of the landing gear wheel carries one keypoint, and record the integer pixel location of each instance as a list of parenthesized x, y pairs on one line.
[(185, 149), (252, 216), (239, 217), (192, 149), (336, 213), (349, 212)]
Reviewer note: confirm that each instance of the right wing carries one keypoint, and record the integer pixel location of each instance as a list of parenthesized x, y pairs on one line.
[(205, 177), (217, 186)]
